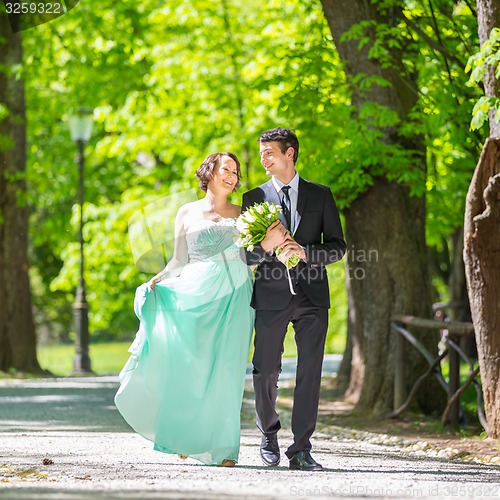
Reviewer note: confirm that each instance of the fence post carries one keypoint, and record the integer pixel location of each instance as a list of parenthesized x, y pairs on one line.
[(399, 373), (454, 381)]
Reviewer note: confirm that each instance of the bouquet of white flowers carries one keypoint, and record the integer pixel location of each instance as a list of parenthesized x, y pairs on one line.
[(252, 226)]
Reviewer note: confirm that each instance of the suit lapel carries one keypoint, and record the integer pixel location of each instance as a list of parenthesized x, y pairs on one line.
[(301, 202)]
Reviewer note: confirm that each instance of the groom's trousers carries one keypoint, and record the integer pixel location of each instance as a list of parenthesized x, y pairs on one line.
[(310, 323)]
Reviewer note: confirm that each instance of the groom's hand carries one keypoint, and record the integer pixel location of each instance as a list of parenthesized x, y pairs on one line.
[(276, 235), (291, 247)]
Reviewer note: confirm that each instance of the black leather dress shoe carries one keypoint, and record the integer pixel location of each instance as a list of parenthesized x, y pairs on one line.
[(270, 450), (302, 460)]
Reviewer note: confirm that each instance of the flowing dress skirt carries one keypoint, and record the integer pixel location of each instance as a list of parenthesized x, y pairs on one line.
[(182, 386)]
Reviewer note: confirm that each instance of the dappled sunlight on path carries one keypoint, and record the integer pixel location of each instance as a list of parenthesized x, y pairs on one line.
[(65, 439)]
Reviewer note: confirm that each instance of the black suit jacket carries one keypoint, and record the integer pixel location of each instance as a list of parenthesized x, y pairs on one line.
[(318, 230)]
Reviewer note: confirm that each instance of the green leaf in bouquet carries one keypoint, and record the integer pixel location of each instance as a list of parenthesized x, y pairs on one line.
[(289, 262)]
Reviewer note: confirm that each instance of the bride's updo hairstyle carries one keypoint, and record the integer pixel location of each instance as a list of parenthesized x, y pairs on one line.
[(206, 171)]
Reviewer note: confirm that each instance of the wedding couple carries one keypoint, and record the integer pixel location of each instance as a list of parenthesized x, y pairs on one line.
[(182, 387)]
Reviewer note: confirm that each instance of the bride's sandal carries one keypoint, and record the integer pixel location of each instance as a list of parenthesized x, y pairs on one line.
[(227, 463)]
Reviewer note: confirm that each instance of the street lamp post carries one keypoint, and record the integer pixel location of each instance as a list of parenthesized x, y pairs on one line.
[(80, 126)]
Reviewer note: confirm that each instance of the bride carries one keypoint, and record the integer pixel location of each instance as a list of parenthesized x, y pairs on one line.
[(182, 386)]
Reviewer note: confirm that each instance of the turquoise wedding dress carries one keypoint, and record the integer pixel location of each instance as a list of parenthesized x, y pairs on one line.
[(182, 386)]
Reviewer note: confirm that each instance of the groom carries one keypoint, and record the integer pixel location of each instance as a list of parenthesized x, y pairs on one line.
[(310, 215)]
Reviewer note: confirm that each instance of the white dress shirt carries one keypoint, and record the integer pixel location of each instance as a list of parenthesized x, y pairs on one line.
[(294, 196)]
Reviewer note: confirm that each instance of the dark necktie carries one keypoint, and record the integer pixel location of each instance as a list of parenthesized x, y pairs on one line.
[(286, 205)]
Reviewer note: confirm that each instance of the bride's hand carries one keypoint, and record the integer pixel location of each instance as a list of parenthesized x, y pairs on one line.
[(154, 280)]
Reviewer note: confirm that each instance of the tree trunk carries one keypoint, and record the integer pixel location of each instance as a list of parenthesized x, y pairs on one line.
[(460, 309), (17, 334), (385, 232), (388, 277), (482, 265), (482, 241), (457, 286)]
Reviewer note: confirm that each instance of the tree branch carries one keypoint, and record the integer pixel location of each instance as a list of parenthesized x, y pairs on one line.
[(436, 46), (446, 414), (438, 36)]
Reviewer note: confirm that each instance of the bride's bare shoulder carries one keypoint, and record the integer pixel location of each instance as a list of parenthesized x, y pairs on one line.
[(189, 208), (187, 213)]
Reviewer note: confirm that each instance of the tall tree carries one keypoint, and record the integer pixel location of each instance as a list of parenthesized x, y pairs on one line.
[(385, 222), (482, 223), (17, 335)]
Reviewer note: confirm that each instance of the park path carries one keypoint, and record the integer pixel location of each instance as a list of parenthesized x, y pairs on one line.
[(64, 439)]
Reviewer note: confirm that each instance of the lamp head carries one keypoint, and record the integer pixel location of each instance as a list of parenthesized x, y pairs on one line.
[(80, 124)]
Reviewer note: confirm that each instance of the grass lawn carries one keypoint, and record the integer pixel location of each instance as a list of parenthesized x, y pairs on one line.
[(109, 358), (105, 359)]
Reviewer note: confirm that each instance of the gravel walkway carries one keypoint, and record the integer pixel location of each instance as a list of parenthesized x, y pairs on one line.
[(64, 439)]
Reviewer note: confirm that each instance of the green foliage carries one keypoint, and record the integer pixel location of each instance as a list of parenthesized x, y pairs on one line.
[(488, 55), (481, 110), (443, 108), (477, 65), (171, 82), (6, 142)]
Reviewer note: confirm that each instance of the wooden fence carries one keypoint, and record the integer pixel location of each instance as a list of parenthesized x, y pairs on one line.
[(451, 332)]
